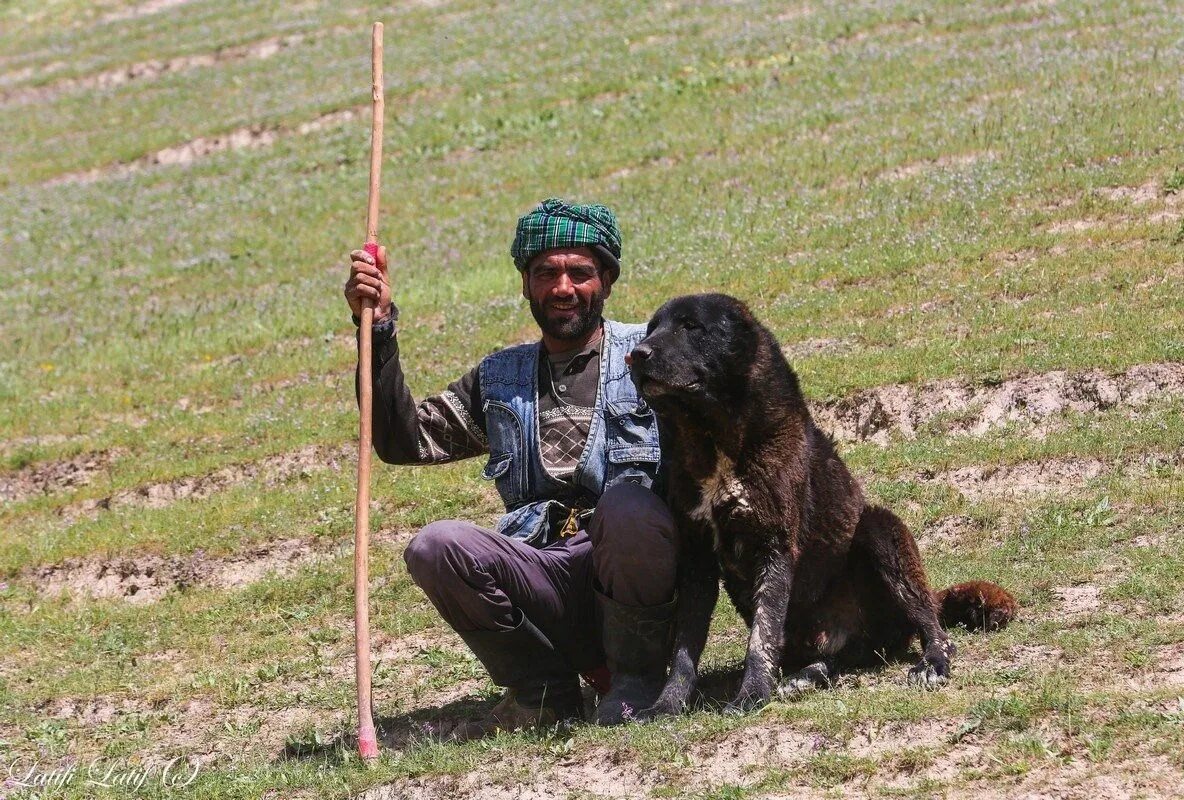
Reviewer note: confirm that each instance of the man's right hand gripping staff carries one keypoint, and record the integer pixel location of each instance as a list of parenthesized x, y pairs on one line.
[(445, 427)]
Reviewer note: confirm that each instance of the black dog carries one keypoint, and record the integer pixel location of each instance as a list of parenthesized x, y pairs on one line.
[(822, 579)]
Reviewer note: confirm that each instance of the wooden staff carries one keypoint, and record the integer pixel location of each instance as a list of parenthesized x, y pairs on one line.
[(367, 738)]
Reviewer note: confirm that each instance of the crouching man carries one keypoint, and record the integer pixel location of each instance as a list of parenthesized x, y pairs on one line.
[(579, 574)]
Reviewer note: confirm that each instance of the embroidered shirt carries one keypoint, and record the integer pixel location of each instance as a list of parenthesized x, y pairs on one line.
[(450, 426)]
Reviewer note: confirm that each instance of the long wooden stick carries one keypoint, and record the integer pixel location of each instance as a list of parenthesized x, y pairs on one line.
[(367, 738)]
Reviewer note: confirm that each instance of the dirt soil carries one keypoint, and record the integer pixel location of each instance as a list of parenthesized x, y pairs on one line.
[(933, 756), (155, 68), (1061, 476), (948, 532), (961, 408), (1076, 600), (142, 10), (274, 469), (250, 137), (142, 578), (937, 751), (145, 578), (53, 476)]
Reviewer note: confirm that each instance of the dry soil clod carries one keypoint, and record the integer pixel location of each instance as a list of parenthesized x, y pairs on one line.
[(273, 469), (972, 409), (53, 476), (155, 68), (1058, 475), (142, 10), (146, 578), (251, 137)]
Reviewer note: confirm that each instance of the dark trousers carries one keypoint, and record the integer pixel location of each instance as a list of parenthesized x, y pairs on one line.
[(480, 580)]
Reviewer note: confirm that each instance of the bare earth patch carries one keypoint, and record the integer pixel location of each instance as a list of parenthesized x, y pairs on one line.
[(155, 68), (795, 13), (813, 347), (255, 136), (142, 10), (275, 469), (1137, 195), (1076, 600), (146, 578), (1169, 668), (53, 476), (1040, 656), (1063, 476), (1075, 225), (942, 162), (202, 733), (947, 532), (195, 729), (1041, 477), (1154, 777), (93, 711), (1167, 208), (965, 408), (598, 774), (739, 758)]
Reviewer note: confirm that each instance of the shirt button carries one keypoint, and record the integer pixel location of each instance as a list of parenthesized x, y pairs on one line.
[(563, 387)]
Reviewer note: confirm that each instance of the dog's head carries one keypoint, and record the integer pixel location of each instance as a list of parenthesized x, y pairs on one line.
[(697, 351)]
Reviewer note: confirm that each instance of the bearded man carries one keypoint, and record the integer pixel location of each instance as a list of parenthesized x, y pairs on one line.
[(579, 573)]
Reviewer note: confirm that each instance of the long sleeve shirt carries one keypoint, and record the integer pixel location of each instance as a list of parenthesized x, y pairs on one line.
[(445, 427), (450, 425)]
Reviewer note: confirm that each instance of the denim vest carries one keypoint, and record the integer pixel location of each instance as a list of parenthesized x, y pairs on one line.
[(622, 442)]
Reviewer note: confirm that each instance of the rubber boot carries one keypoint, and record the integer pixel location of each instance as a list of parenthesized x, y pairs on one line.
[(637, 641), (542, 689)]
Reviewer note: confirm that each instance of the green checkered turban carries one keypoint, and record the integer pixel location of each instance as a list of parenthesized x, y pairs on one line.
[(554, 223)]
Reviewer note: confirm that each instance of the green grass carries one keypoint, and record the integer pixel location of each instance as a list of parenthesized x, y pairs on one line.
[(896, 178)]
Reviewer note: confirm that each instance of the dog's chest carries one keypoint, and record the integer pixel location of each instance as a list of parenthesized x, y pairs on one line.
[(722, 495)]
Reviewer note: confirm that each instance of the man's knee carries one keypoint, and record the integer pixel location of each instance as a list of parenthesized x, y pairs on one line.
[(432, 551), (634, 547), (629, 512)]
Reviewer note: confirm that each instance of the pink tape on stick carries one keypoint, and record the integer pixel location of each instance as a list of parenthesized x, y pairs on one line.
[(372, 249), (367, 742)]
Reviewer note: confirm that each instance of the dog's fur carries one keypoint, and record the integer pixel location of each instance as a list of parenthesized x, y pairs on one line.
[(823, 580)]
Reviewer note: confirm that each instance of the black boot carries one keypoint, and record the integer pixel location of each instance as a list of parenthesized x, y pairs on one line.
[(637, 642), (542, 689)]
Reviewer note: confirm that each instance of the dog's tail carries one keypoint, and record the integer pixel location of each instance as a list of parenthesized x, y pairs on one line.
[(978, 605)]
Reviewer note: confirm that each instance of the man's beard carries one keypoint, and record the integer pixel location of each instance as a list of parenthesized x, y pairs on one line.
[(582, 323)]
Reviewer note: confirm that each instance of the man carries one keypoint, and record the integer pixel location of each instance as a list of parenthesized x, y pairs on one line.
[(579, 573)]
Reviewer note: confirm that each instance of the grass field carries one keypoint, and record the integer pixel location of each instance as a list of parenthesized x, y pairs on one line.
[(964, 221)]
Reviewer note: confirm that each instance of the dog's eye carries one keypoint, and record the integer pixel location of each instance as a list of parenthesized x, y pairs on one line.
[(690, 325)]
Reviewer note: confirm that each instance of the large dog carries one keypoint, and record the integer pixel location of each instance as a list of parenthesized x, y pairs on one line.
[(823, 579)]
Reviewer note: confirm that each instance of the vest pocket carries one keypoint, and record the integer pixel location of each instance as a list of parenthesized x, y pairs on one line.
[(649, 454), (633, 464), (631, 425), (497, 467), (506, 465), (631, 443)]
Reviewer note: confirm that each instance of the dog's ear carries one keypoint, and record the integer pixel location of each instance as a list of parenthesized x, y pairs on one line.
[(741, 331)]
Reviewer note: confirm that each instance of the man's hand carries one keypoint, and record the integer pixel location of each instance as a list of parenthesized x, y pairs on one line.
[(368, 281)]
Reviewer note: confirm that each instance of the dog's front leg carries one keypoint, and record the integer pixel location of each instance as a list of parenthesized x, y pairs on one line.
[(698, 591), (766, 640)]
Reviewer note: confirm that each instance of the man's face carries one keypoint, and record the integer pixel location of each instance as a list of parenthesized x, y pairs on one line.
[(566, 292)]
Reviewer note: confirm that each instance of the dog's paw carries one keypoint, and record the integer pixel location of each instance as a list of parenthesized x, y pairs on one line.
[(933, 670), (930, 674), (815, 676), (747, 701), (797, 685), (662, 707), (668, 704)]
